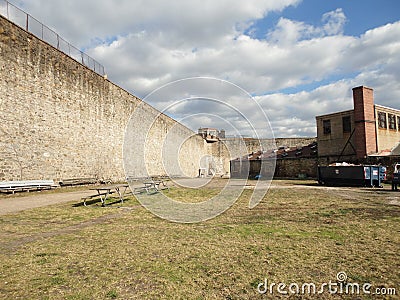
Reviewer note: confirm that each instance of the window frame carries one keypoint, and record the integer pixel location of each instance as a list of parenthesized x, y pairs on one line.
[(346, 120), (398, 123), (382, 120), (392, 122), (326, 127)]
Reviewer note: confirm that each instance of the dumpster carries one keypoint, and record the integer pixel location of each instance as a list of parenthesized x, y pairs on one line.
[(352, 175)]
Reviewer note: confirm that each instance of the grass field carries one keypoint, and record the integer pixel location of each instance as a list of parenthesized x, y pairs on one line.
[(300, 233)]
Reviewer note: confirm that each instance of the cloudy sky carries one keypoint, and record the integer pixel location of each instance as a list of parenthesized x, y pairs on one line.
[(297, 58)]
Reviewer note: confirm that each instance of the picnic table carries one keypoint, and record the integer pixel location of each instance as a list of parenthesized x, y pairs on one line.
[(151, 183), (104, 191), (157, 184)]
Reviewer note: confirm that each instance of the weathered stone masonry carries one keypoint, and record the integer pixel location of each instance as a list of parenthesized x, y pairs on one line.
[(61, 120)]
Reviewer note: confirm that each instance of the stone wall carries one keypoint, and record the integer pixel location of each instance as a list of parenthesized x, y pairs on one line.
[(294, 142), (62, 120), (306, 167), (231, 148), (296, 167)]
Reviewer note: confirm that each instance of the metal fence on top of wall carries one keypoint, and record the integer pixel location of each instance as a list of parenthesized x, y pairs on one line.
[(30, 24)]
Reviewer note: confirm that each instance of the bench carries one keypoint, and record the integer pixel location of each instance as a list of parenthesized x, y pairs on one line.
[(77, 181), (26, 186)]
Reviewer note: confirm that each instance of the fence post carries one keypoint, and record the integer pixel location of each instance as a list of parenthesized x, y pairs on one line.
[(27, 24)]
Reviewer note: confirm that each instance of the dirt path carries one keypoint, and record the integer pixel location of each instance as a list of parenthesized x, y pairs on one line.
[(23, 201), (37, 199), (10, 204)]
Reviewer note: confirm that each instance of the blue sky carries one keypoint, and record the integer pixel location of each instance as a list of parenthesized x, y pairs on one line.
[(298, 58), (361, 15)]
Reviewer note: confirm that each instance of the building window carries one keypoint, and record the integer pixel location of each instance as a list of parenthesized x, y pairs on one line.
[(392, 121), (382, 120), (346, 121), (326, 124), (398, 123)]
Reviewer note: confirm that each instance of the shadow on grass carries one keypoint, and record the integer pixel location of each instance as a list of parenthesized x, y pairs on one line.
[(109, 202), (298, 181)]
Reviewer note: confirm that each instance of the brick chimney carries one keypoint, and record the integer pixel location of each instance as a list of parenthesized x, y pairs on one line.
[(364, 118)]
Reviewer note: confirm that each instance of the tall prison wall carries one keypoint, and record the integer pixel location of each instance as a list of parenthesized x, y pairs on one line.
[(62, 120)]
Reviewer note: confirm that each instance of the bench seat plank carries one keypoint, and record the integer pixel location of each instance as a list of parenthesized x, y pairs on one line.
[(26, 185)]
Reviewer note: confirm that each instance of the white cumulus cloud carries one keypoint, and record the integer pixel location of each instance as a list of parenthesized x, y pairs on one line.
[(146, 44)]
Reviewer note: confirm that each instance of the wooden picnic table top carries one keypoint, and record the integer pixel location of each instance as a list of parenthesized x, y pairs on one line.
[(109, 187)]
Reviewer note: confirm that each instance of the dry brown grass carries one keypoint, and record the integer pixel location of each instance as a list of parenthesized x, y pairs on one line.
[(299, 233)]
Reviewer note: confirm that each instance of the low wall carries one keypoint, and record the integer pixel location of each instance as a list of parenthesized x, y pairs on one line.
[(284, 168), (296, 167), (231, 148)]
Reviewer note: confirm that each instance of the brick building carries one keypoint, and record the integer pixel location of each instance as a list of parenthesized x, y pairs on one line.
[(367, 130)]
